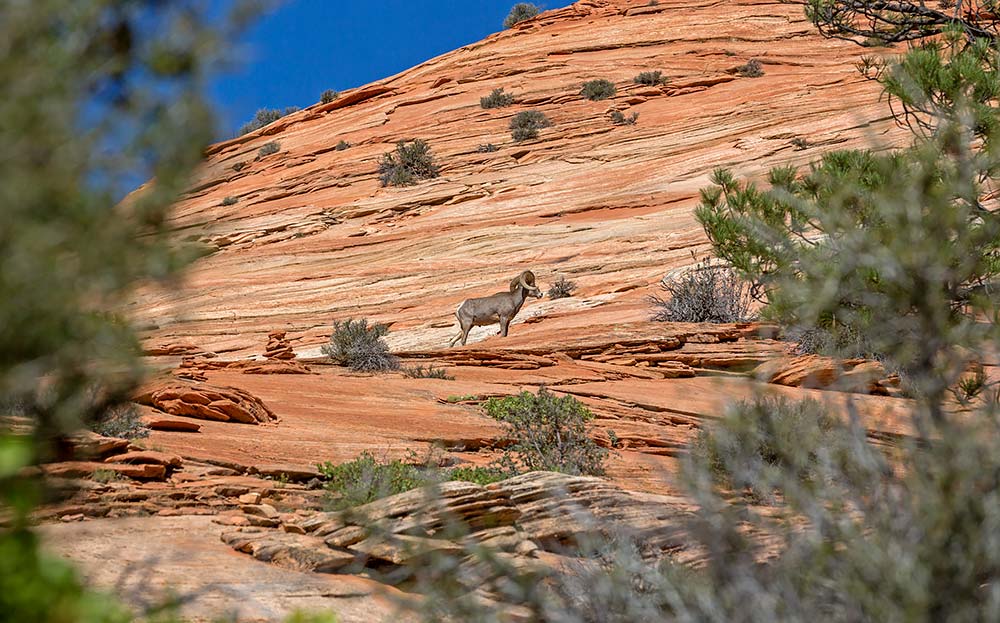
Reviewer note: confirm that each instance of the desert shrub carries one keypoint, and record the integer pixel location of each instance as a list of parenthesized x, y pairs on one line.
[(328, 96), (619, 118), (360, 347), (230, 200), (342, 145), (430, 372), (526, 124), (752, 69), (599, 89), (771, 435), (561, 288), (704, 294), (520, 12), (408, 163), (366, 479), (479, 475), (121, 421), (548, 433), (487, 148), (269, 148), (263, 117), (496, 99), (239, 166), (649, 78)]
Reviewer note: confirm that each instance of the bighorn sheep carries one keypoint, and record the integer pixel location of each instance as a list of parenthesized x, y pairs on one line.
[(502, 306)]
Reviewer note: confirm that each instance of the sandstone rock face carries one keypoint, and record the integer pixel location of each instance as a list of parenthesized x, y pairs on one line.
[(206, 402), (520, 517), (610, 207)]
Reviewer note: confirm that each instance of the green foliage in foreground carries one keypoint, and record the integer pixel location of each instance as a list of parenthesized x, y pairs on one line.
[(898, 249), (762, 440)]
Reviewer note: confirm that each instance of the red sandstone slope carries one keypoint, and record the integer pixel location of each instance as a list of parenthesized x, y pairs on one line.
[(314, 238)]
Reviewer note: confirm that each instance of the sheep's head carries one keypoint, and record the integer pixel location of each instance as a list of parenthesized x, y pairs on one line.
[(526, 280)]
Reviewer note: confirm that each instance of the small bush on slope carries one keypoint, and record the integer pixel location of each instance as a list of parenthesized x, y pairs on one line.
[(549, 433), (360, 347), (600, 89), (406, 165), (496, 99), (520, 12), (704, 294), (526, 124)]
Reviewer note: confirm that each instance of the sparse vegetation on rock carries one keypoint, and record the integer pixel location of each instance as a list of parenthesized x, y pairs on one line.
[(121, 421), (263, 117), (704, 294), (230, 200), (520, 12), (342, 145), (526, 124), (369, 478), (407, 164), (496, 99), (561, 288), (650, 78), (752, 69), (619, 118), (547, 433), (487, 148), (599, 89), (269, 148), (328, 96), (359, 346), (429, 372)]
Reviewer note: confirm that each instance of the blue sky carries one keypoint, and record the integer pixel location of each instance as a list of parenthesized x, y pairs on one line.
[(307, 46)]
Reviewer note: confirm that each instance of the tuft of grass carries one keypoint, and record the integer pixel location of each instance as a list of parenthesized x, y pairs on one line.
[(487, 148), (526, 124), (465, 398), (619, 118), (561, 288), (800, 143), (599, 89), (547, 433), (410, 162), (328, 96), (360, 347), (520, 12), (649, 78), (230, 200), (121, 421), (430, 372), (752, 69), (269, 148), (497, 99), (105, 476), (342, 145), (704, 294)]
